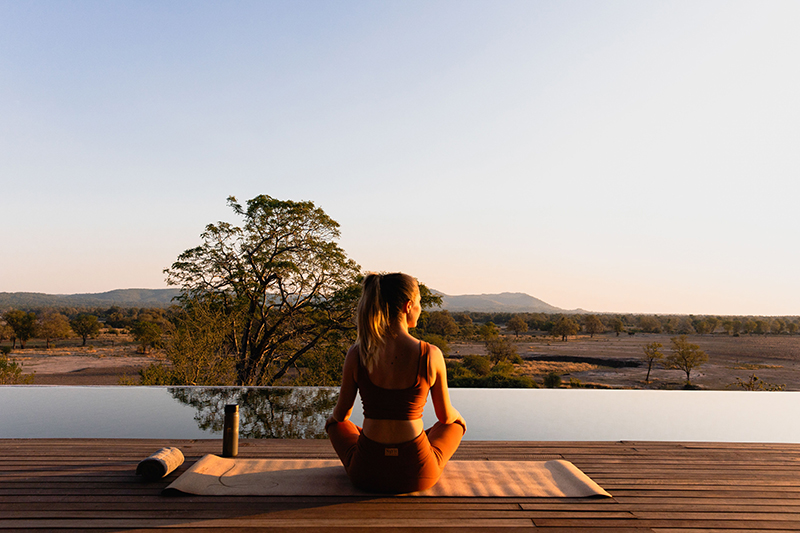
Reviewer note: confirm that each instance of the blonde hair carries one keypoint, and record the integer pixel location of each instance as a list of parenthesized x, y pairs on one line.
[(382, 299)]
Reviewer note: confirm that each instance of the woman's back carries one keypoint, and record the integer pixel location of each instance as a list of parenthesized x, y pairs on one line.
[(398, 365)]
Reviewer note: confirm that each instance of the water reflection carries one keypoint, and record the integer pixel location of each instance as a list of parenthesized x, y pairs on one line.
[(274, 413)]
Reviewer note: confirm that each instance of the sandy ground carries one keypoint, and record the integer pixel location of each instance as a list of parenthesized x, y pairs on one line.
[(103, 361), (774, 359)]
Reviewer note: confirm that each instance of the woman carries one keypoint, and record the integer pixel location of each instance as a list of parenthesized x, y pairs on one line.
[(394, 372)]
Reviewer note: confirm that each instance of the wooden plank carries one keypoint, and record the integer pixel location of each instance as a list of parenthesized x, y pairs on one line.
[(86, 484)]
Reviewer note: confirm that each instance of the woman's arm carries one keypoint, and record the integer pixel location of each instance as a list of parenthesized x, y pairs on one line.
[(445, 412), (349, 388)]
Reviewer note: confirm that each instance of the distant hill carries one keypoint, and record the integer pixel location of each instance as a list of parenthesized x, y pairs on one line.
[(118, 297), (505, 302)]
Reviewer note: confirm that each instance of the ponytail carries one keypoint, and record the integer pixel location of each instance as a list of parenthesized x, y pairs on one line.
[(382, 299)]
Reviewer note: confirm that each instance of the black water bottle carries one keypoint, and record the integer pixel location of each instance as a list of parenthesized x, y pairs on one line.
[(230, 431)]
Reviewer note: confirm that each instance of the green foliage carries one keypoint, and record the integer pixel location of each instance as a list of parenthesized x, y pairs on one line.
[(492, 381), (22, 324), (201, 348), (564, 327), (649, 324), (53, 326), (502, 349), (685, 356), (86, 325), (279, 283), (159, 374), (755, 383), (478, 364), (488, 331), (11, 372), (552, 380), (442, 323), (147, 334), (617, 325), (517, 325), (592, 325), (5, 350)]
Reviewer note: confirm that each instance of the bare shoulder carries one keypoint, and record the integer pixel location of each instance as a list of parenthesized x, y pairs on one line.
[(434, 353), (351, 361)]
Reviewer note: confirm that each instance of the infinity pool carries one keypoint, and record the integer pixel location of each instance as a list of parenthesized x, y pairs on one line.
[(491, 414)]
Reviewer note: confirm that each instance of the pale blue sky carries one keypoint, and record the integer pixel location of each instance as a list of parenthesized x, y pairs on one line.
[(612, 155)]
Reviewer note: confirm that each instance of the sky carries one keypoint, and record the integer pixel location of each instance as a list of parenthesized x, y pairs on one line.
[(615, 156)]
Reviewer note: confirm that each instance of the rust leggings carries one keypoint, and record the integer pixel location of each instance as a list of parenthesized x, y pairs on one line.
[(395, 468)]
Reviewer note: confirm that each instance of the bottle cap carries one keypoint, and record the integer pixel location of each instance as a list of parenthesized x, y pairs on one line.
[(231, 409)]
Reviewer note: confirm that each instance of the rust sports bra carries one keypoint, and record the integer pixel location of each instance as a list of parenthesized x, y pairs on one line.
[(395, 404)]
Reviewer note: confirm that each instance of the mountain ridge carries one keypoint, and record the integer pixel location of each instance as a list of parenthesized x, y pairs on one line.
[(508, 302)]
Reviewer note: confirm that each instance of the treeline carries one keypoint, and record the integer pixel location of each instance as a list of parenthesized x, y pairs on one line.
[(17, 327), (470, 326)]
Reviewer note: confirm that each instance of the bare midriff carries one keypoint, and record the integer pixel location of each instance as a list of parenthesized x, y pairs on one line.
[(392, 431)]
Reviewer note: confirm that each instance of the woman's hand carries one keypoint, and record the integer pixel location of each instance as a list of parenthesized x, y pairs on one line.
[(460, 421), (329, 421)]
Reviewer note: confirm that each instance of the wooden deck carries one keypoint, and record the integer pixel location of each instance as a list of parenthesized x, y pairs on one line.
[(89, 485)]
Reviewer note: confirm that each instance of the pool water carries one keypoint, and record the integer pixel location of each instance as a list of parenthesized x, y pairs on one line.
[(491, 414)]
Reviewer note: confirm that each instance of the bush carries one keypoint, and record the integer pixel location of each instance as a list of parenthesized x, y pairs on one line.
[(478, 364), (552, 380), (503, 368), (456, 370), (493, 381), (501, 349), (158, 375), (11, 373), (5, 350)]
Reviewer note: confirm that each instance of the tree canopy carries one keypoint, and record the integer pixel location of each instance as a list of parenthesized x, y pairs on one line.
[(685, 356), (564, 327), (86, 325), (279, 284)]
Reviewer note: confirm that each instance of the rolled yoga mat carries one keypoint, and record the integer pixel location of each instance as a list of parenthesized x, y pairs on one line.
[(160, 463), (218, 476)]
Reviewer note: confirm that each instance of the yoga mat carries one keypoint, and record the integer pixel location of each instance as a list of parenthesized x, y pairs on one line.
[(218, 476)]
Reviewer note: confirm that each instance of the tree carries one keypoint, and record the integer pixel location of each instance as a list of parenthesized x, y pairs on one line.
[(650, 324), (442, 323), (23, 324), (53, 326), (502, 349), (564, 327), (652, 354), (147, 334), (488, 331), (86, 325), (617, 325), (685, 356), (517, 325), (280, 283), (593, 325)]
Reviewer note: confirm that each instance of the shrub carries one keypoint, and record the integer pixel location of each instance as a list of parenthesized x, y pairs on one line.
[(11, 372), (158, 375), (493, 381), (5, 350), (552, 380), (478, 364)]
